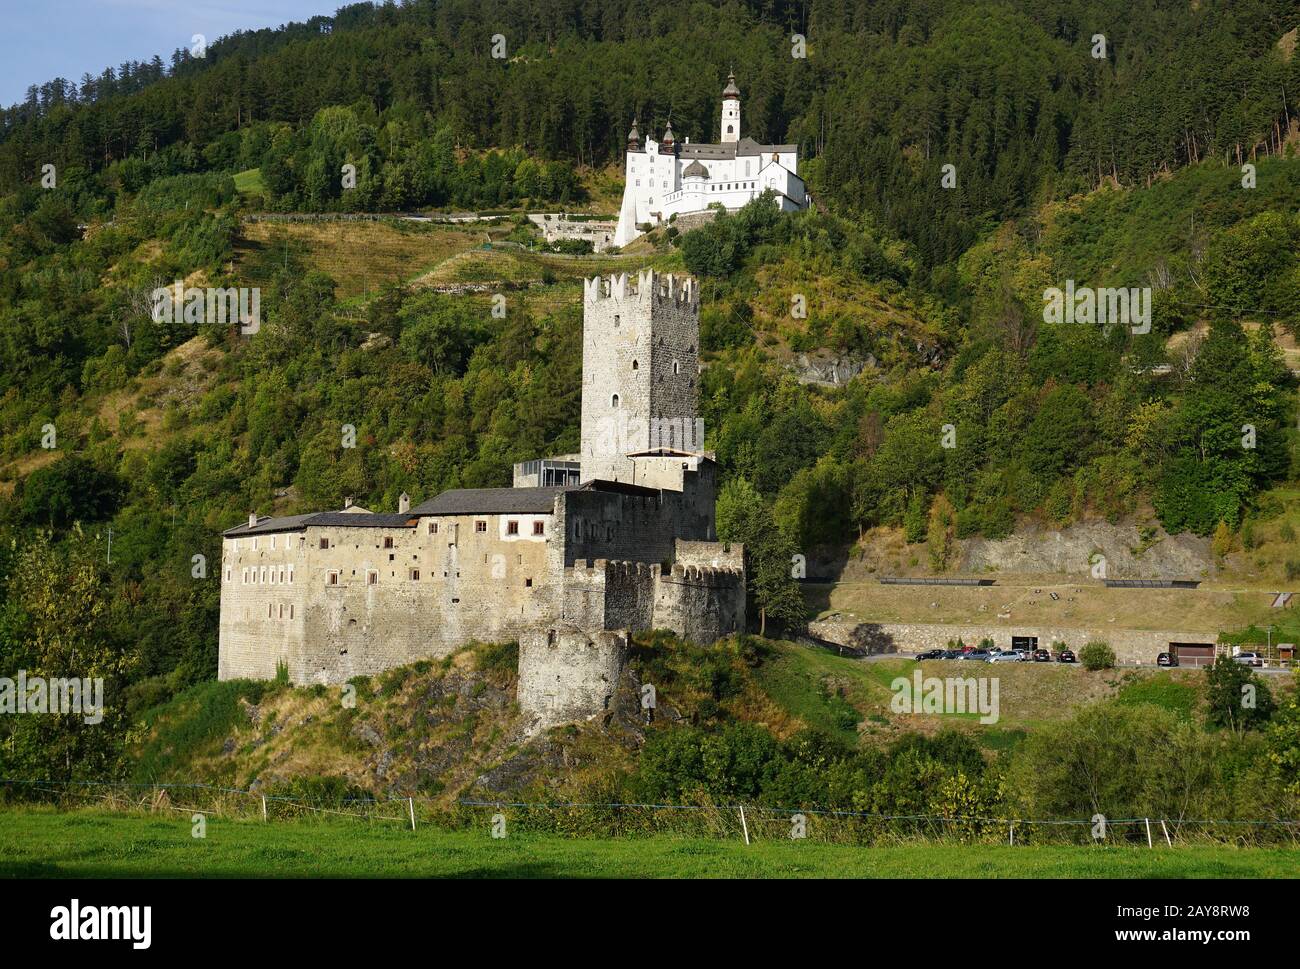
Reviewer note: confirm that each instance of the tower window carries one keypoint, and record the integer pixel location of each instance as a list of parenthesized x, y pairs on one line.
[(613, 401), (512, 528), (539, 528), (677, 367)]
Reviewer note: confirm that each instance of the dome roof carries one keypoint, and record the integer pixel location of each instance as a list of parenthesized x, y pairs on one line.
[(731, 91), (695, 170)]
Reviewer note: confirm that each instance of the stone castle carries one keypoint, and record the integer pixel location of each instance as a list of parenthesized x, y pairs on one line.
[(584, 549), (667, 180)]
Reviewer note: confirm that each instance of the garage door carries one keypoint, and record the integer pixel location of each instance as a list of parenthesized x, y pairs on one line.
[(1193, 654)]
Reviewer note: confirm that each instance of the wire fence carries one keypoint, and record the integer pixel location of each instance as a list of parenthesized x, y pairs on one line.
[(722, 821)]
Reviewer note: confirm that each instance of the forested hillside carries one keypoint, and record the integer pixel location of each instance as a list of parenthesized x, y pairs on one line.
[(1117, 170)]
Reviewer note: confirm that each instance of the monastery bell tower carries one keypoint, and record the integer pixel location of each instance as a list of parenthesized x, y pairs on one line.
[(730, 111)]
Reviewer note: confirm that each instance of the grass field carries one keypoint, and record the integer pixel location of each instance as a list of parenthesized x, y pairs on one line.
[(91, 844)]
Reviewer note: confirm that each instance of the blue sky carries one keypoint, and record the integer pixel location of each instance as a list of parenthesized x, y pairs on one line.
[(44, 39)]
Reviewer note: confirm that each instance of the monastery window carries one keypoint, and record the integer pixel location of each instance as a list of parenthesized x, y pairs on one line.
[(372, 577), (227, 575), (245, 580), (415, 575), (273, 577), (616, 319), (635, 365), (262, 577), (291, 610), (539, 528), (270, 611), (638, 183), (291, 575), (388, 542), (324, 543), (433, 528), (333, 579), (480, 526), (512, 528), (528, 583), (677, 367), (613, 401)]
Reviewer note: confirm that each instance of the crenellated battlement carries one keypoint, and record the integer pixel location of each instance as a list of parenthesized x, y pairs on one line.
[(650, 287), (705, 575)]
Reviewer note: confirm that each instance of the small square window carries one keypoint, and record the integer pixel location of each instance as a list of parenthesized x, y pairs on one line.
[(388, 542), (372, 578), (539, 528), (480, 526), (324, 543), (415, 575), (512, 528), (528, 583), (334, 578), (433, 528)]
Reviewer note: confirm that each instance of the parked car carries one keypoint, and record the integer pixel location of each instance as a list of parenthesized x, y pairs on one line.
[(952, 654), (1249, 659), (1024, 655), (979, 654), (1065, 656), (1167, 659), (1004, 656), (1042, 656), (931, 654)]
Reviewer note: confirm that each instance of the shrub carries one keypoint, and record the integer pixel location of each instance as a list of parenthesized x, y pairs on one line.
[(1097, 656)]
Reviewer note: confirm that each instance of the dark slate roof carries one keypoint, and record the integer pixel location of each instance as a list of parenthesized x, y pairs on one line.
[(491, 501), (743, 148), (332, 519), (695, 168)]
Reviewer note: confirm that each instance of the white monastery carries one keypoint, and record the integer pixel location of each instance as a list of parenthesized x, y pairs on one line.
[(666, 179)]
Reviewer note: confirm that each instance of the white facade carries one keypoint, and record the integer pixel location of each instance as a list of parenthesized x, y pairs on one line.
[(665, 178)]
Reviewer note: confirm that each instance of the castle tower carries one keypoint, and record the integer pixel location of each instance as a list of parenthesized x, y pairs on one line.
[(730, 111), (640, 365)]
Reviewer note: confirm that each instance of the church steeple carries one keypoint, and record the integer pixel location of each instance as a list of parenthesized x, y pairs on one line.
[(634, 138), (730, 111)]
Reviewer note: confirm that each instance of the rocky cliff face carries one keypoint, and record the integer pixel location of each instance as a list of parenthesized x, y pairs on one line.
[(1130, 552)]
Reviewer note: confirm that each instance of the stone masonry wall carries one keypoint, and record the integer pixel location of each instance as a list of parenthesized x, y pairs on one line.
[(567, 673), (700, 604), (1130, 645)]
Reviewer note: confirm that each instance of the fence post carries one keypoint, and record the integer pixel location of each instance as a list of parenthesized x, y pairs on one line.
[(1150, 843), (410, 802), (743, 826), (264, 818), (1165, 828), (1011, 833)]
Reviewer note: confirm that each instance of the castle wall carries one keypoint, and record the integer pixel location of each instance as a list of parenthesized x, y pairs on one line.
[(568, 673), (701, 604), (362, 605)]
